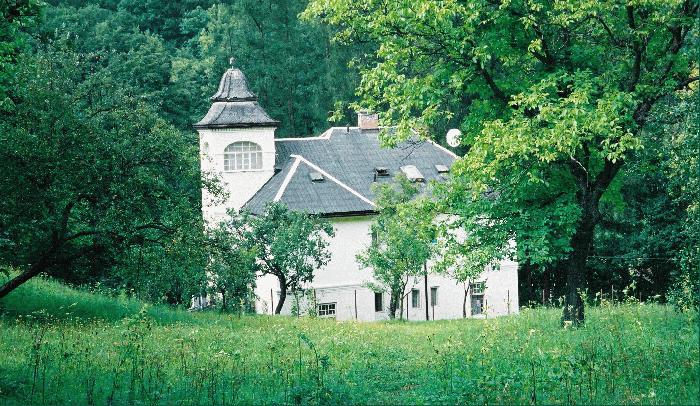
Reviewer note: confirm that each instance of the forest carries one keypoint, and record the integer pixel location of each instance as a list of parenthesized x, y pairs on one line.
[(579, 125), (125, 81)]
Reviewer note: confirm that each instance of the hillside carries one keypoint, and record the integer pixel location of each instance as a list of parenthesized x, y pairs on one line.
[(62, 346)]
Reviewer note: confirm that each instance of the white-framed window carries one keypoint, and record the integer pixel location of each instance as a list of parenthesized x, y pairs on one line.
[(326, 309), (242, 156), (415, 298)]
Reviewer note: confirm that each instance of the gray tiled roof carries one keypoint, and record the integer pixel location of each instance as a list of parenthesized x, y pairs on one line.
[(236, 114), (349, 157), (234, 105)]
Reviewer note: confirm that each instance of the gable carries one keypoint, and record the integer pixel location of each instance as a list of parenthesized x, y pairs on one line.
[(348, 158)]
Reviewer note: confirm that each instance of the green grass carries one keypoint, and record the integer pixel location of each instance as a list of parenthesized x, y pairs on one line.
[(62, 346)]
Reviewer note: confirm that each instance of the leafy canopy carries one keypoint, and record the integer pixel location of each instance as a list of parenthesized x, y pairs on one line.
[(287, 244)]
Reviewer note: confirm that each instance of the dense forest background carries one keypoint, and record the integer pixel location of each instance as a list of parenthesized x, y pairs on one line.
[(75, 73), (174, 53)]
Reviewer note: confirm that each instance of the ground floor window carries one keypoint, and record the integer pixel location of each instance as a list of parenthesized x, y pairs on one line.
[(378, 301), (477, 304), (326, 309), (415, 298), (434, 296), (477, 301)]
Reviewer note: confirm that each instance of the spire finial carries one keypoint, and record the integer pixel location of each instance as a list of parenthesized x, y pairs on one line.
[(231, 60)]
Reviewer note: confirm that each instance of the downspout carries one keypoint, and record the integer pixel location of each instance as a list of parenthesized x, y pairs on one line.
[(425, 272)]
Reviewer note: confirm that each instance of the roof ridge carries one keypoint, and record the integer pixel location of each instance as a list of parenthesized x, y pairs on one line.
[(324, 136), (286, 181)]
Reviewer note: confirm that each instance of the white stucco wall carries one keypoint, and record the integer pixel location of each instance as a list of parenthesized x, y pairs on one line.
[(241, 185), (343, 281)]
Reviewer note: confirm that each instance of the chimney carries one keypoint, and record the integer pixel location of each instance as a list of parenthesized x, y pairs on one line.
[(367, 121)]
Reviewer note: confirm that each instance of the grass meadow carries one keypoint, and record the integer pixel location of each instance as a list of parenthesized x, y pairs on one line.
[(63, 346)]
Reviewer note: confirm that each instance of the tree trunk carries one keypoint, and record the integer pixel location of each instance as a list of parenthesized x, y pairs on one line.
[(393, 303), (576, 270), (223, 300), (464, 302), (283, 294), (34, 270), (588, 197)]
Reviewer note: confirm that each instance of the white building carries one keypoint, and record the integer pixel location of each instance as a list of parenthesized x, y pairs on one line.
[(331, 175)]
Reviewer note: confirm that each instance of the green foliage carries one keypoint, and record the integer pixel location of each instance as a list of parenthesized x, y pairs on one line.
[(403, 235), (628, 353), (94, 178), (16, 17), (231, 268), (683, 171), (287, 244), (173, 54), (553, 99)]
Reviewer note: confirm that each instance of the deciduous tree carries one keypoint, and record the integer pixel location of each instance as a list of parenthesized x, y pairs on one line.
[(287, 244), (553, 98), (88, 172), (403, 235)]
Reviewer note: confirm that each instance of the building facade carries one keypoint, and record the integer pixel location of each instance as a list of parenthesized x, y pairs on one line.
[(331, 175)]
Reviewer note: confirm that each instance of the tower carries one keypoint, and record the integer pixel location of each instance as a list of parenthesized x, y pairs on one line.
[(237, 143)]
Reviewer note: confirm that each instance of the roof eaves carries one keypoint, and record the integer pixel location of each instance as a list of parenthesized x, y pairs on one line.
[(272, 123)]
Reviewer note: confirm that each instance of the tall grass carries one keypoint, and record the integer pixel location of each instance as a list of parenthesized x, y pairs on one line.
[(61, 346)]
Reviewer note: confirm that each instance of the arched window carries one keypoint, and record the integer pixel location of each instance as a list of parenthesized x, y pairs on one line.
[(242, 155)]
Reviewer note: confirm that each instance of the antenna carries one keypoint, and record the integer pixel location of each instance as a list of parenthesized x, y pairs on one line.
[(453, 137)]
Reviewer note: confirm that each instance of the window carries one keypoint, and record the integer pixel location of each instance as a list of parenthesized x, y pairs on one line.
[(442, 168), (415, 298), (433, 296), (378, 301), (477, 300), (242, 156), (326, 310), (477, 304), (478, 288), (412, 173)]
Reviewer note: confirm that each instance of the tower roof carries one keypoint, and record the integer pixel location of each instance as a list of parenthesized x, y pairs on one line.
[(234, 105), (233, 87)]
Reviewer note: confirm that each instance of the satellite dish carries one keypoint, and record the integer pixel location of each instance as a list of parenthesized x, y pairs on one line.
[(454, 137)]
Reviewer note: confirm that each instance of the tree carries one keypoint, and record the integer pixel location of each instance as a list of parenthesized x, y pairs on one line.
[(15, 18), (403, 235), (231, 268), (683, 170), (90, 175), (287, 244), (292, 65), (553, 98)]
